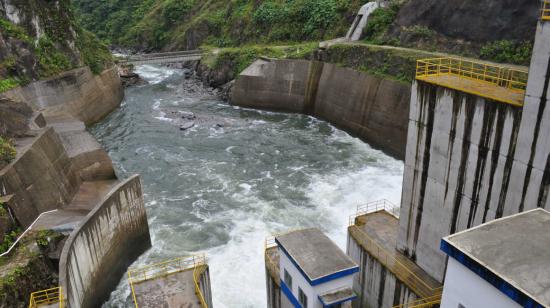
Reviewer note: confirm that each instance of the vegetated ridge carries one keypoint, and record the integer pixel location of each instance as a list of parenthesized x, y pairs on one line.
[(40, 39)]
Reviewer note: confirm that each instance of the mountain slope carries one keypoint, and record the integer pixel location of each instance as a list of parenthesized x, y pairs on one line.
[(186, 24)]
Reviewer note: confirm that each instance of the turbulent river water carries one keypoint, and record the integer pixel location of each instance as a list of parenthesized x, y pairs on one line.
[(237, 176)]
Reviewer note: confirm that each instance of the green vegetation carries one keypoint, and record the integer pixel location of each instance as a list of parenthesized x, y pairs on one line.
[(507, 52), (240, 58), (44, 237), (11, 30), (51, 60), (379, 22), (5, 85), (7, 151), (93, 52), (184, 24), (9, 239)]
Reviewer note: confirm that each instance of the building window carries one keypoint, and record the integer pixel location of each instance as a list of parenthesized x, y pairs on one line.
[(302, 297), (288, 280)]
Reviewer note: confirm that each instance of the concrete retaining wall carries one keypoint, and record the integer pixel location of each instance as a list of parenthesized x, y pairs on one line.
[(457, 169), (78, 92), (375, 285), (41, 178), (369, 107), (104, 244)]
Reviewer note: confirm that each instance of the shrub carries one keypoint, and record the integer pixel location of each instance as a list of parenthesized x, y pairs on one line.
[(7, 151), (506, 51), (51, 60), (8, 84), (14, 31), (93, 52), (9, 239), (380, 20)]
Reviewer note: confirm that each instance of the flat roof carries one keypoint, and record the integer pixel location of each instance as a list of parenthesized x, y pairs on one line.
[(316, 255), (516, 249)]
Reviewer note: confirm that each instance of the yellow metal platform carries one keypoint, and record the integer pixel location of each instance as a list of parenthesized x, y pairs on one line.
[(498, 83)]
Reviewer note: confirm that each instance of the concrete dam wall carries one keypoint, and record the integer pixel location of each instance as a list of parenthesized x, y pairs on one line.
[(369, 107), (471, 160), (41, 178), (100, 249), (78, 93)]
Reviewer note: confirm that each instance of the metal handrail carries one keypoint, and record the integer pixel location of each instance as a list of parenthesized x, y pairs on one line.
[(197, 272), (501, 76), (372, 207), (545, 10), (427, 302), (46, 297), (383, 255), (24, 233), (166, 268)]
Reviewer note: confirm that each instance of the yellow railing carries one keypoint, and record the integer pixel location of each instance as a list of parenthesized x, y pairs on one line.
[(398, 268), (46, 297), (197, 272), (545, 11), (497, 75), (428, 302), (166, 268), (372, 207)]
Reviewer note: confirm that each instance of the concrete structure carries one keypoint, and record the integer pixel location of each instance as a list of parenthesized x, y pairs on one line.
[(103, 245), (387, 277), (164, 57), (470, 159), (182, 282), (60, 166), (77, 93), (372, 108), (503, 263), (313, 271), (360, 22)]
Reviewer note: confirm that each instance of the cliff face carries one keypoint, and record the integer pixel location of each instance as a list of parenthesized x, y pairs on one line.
[(474, 20), (501, 31), (40, 38)]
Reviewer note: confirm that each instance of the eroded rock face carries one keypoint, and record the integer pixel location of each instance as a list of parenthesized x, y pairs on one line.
[(474, 20), (15, 118)]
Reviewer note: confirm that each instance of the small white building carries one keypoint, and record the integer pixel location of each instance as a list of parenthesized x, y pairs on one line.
[(504, 263), (314, 272)]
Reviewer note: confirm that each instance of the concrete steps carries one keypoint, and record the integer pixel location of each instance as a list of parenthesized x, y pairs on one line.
[(66, 218)]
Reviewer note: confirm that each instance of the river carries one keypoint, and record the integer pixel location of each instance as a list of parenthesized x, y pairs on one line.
[(236, 177)]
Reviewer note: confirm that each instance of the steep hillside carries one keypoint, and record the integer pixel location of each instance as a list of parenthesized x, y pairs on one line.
[(40, 38), (501, 31), (186, 24)]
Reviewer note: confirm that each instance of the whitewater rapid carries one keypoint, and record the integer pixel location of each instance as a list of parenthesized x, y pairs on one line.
[(236, 177)]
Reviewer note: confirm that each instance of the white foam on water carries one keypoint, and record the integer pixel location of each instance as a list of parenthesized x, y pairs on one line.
[(237, 268), (154, 74)]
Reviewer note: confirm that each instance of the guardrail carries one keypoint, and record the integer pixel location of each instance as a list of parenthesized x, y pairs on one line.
[(376, 206), (46, 297), (398, 268), (428, 302), (505, 77), (169, 267), (545, 11), (197, 272), (24, 233)]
